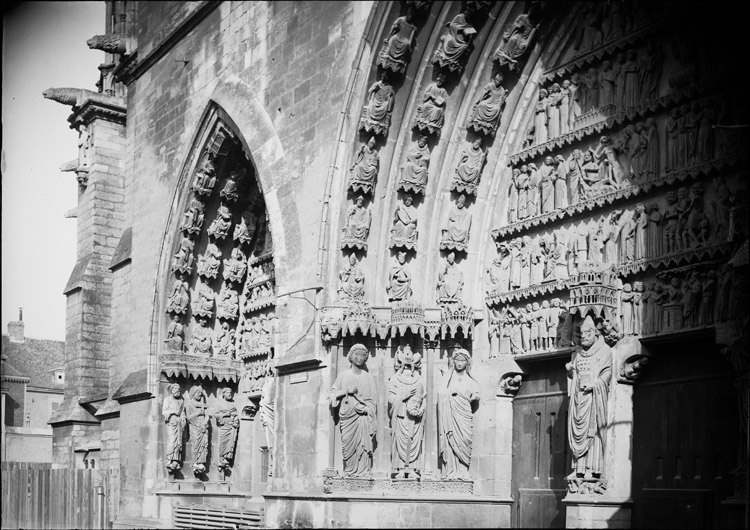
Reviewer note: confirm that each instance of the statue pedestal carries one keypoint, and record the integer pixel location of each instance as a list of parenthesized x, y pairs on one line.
[(597, 511)]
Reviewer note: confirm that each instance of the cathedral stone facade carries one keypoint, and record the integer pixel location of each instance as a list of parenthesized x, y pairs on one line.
[(412, 264)]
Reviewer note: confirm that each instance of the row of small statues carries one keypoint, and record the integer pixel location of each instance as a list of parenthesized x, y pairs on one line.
[(193, 411), (353, 397), (535, 327), (615, 87), (255, 337), (647, 231)]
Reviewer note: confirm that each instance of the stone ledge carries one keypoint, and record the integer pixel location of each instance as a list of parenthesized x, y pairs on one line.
[(362, 497)]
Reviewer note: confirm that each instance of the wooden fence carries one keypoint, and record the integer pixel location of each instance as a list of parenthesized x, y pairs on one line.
[(37, 496)]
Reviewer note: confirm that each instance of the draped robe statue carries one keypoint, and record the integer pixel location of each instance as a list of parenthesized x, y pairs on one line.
[(406, 407), (365, 168), (376, 114), (398, 45), (485, 114), (469, 169), (197, 418), (173, 411), (590, 374), (353, 394), (451, 51), (228, 423), (456, 419)]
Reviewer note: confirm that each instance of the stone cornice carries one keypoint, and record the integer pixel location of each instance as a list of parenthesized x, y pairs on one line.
[(113, 110)]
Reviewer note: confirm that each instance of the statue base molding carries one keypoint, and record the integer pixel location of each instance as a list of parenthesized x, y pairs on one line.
[(597, 511), (334, 485)]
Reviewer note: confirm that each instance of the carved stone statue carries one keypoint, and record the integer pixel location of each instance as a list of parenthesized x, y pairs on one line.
[(516, 40), (235, 267), (228, 305), (453, 48), (203, 305), (225, 341), (499, 271), (267, 414), (354, 394), (540, 118), (565, 107), (560, 177), (431, 112), (352, 281), (376, 114), (365, 168), (469, 169), (414, 171), (209, 262), (404, 231), (607, 80), (457, 401), (626, 309), (200, 341), (183, 259), (229, 192), (175, 334), (406, 407), (173, 411), (398, 45), (399, 280), (486, 112), (450, 282), (456, 234), (513, 196), (193, 218), (590, 374), (219, 227), (357, 227), (547, 185), (198, 422), (205, 178), (574, 176), (672, 240), (553, 111), (631, 79), (228, 423), (245, 230), (178, 297)]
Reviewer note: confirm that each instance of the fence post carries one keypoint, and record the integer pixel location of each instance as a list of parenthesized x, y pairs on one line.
[(100, 507)]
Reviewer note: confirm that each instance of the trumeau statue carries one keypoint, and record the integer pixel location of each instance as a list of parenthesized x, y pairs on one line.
[(354, 394), (453, 48), (456, 403), (450, 282), (357, 227), (469, 168), (365, 168), (516, 40), (404, 231), (228, 422), (352, 281), (173, 411), (198, 422), (456, 234), (486, 112), (397, 47), (406, 407), (399, 280), (414, 171), (431, 112), (590, 374), (376, 114)]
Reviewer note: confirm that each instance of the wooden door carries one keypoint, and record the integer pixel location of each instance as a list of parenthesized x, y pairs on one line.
[(684, 438), (540, 449)]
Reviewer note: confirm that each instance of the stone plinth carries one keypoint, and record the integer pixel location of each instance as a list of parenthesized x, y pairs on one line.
[(340, 485), (305, 510), (589, 511)]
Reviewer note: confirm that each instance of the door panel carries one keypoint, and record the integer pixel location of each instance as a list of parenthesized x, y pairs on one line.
[(684, 440), (540, 449)]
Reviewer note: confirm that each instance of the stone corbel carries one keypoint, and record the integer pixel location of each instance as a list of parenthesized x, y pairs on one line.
[(511, 379), (630, 369), (113, 43)]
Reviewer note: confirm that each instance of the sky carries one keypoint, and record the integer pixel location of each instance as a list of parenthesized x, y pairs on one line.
[(44, 46)]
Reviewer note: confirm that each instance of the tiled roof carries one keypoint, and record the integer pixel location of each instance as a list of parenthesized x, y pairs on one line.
[(34, 358)]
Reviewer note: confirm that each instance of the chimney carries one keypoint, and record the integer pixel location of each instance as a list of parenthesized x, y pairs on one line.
[(15, 329)]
